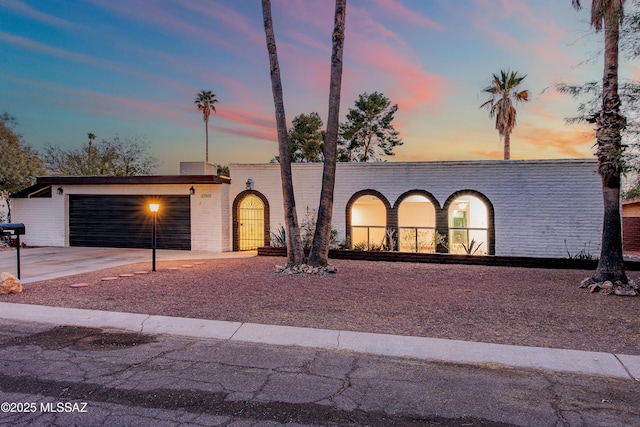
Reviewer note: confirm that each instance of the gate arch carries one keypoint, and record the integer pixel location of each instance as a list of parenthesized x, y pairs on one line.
[(250, 220)]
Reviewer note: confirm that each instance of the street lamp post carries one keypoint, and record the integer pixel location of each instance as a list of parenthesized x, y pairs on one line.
[(153, 207)]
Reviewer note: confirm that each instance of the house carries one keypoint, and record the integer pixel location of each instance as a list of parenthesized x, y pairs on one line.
[(631, 225), (537, 208)]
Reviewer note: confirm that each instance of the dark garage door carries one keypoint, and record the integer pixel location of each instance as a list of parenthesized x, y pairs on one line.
[(125, 221)]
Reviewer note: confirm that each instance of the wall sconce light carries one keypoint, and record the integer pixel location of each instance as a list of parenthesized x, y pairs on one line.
[(192, 191), (249, 184), (59, 190)]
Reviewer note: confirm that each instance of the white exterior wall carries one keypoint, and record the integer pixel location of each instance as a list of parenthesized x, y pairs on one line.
[(225, 222), (45, 220), (47, 224), (210, 218), (537, 204)]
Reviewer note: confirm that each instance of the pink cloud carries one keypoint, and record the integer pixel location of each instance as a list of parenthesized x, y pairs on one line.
[(250, 124), (489, 154), (165, 18), (412, 86), (265, 135), (537, 35), (315, 15), (397, 9), (229, 17), (24, 9), (571, 142), (373, 53)]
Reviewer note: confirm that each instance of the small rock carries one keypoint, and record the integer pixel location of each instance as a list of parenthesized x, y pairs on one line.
[(607, 285), (586, 282), (623, 292), (79, 285), (9, 284), (305, 269), (594, 287), (633, 284)]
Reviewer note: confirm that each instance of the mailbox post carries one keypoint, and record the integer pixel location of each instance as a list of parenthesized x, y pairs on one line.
[(15, 229)]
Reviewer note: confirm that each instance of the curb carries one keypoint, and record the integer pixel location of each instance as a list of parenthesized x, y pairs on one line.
[(432, 349)]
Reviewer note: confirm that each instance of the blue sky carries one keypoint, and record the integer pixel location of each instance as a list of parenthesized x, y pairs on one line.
[(133, 68)]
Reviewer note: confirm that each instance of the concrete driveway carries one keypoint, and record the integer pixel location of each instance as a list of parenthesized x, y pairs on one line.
[(51, 262)]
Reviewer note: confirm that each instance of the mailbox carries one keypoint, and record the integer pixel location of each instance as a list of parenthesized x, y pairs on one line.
[(14, 229)]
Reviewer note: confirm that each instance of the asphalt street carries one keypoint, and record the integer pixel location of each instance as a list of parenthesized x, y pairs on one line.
[(68, 375)]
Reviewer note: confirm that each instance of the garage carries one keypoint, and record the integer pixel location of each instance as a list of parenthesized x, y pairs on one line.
[(124, 221)]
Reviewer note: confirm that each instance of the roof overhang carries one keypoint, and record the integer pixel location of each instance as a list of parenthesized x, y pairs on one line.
[(48, 181)]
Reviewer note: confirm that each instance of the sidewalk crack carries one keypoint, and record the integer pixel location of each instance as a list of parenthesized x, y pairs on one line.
[(142, 324), (625, 368), (235, 332)]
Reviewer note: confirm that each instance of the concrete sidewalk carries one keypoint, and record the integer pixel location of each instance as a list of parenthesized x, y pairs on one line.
[(560, 360), (47, 263)]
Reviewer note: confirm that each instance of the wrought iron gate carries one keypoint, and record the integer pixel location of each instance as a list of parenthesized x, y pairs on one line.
[(251, 223)]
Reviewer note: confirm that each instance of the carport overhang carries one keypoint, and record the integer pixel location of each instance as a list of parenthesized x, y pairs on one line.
[(44, 184)]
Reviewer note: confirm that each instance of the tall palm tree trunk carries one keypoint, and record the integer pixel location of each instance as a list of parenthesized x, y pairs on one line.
[(206, 136), (319, 254), (609, 152), (295, 252), (507, 146)]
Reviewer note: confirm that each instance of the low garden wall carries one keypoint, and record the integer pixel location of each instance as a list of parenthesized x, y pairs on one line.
[(503, 261)]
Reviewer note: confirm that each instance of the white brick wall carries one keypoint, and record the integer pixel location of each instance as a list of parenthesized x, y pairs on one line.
[(537, 204), (206, 218)]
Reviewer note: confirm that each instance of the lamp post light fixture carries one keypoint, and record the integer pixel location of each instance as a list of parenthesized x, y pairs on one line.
[(153, 207)]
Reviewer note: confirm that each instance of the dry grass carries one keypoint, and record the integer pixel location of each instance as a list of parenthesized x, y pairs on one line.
[(534, 307)]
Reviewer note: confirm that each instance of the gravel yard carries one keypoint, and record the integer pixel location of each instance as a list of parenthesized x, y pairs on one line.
[(533, 307)]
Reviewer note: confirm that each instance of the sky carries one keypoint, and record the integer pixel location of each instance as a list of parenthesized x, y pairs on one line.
[(133, 68)]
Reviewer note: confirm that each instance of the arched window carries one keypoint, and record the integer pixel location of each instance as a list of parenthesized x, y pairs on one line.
[(368, 223), (416, 224), (468, 226)]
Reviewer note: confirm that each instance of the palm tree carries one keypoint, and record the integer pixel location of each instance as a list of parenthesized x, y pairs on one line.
[(320, 247), (295, 252), (503, 89), (607, 15), (205, 100)]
